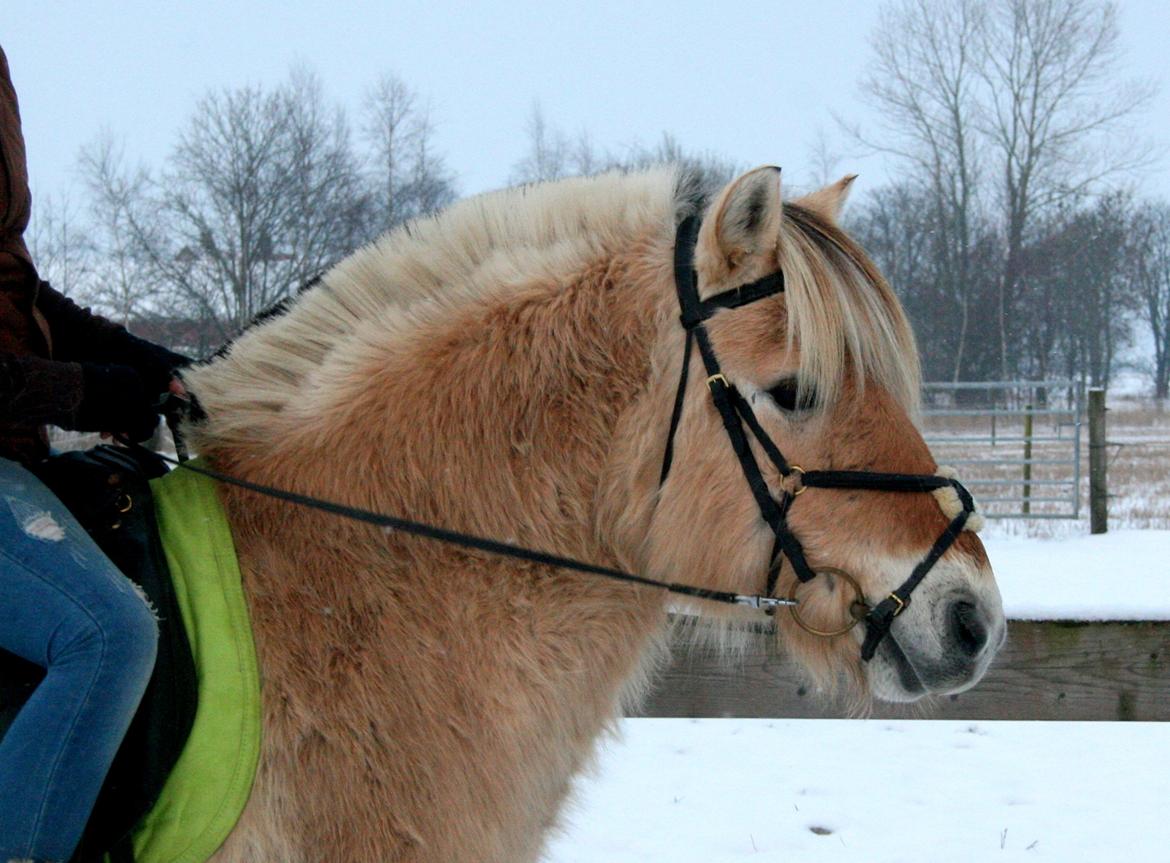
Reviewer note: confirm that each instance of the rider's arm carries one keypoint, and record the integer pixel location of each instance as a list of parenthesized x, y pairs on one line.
[(36, 391), (81, 336)]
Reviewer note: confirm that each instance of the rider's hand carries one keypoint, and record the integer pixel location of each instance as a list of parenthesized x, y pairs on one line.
[(114, 397)]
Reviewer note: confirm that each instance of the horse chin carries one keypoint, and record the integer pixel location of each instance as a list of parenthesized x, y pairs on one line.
[(892, 676), (899, 673)]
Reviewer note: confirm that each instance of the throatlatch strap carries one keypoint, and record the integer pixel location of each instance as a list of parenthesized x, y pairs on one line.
[(676, 411)]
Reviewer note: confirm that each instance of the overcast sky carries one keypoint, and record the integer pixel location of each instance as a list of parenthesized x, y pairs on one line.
[(753, 85)]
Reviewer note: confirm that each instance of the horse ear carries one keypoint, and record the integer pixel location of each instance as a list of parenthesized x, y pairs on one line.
[(742, 225), (827, 202)]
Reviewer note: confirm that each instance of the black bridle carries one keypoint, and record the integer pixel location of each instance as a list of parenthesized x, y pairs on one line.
[(736, 413)]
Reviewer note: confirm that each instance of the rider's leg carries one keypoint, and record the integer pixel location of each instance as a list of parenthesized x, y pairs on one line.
[(64, 606)]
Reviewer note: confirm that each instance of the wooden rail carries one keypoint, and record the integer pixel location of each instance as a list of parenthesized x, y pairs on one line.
[(1049, 670)]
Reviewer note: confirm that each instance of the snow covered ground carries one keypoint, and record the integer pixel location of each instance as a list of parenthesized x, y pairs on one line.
[(1120, 575), (874, 791), (879, 791)]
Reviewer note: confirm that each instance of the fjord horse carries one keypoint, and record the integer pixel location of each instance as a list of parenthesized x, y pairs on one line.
[(509, 369)]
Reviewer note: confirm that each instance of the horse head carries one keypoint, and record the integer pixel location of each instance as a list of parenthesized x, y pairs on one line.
[(827, 369)]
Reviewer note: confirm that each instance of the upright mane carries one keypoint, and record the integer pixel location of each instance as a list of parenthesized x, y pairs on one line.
[(481, 249), (476, 251)]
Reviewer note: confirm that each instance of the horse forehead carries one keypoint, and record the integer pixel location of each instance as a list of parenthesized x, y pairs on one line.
[(753, 334)]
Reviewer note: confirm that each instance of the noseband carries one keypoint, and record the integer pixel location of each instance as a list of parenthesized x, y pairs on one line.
[(736, 413)]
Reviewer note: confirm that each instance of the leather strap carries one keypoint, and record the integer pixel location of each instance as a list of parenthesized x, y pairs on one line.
[(736, 413)]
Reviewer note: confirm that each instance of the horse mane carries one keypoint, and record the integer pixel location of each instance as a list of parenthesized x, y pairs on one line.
[(843, 314), (480, 249), (475, 251)]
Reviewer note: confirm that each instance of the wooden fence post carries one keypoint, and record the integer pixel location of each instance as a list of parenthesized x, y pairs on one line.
[(1098, 491)]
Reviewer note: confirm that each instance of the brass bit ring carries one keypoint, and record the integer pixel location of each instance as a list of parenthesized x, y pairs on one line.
[(857, 609)]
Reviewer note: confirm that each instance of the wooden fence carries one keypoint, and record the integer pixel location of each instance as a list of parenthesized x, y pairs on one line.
[(1049, 670)]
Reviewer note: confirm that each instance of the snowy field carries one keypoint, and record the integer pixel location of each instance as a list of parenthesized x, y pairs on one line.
[(874, 791), (1120, 575), (880, 791)]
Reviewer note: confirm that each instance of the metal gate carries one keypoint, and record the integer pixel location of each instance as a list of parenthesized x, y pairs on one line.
[(1016, 444)]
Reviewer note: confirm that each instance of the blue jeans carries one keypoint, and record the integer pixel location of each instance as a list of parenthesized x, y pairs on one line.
[(64, 606)]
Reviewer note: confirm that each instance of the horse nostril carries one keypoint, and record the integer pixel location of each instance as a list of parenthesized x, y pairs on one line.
[(968, 627)]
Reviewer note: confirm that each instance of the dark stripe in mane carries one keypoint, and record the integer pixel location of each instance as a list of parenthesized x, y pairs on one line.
[(834, 243), (276, 310)]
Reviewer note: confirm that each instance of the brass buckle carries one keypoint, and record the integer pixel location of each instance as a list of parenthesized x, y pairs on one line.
[(718, 377), (857, 609), (901, 603)]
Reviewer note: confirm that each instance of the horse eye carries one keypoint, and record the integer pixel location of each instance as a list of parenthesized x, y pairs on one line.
[(789, 397)]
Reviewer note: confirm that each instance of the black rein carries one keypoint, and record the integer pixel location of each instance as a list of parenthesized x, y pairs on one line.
[(735, 413)]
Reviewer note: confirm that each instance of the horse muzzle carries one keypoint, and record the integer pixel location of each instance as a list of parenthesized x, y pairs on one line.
[(943, 644)]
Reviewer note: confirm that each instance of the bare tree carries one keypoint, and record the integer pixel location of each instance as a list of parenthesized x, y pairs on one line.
[(121, 282), (548, 156), (923, 81), (263, 192), (1006, 113), (1081, 282), (59, 244), (552, 155), (410, 176), (709, 170), (1054, 108), (825, 160), (899, 226), (389, 108), (1152, 264), (583, 156)]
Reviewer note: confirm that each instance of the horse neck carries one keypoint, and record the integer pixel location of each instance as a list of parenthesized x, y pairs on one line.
[(494, 419), (499, 421)]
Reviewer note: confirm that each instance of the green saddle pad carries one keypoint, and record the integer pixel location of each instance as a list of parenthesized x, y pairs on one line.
[(207, 790)]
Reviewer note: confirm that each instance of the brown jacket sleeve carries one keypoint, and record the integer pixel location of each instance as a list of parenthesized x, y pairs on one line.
[(34, 391), (44, 337), (81, 336), (15, 199)]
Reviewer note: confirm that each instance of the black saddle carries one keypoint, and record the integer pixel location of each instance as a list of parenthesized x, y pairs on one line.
[(107, 490)]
